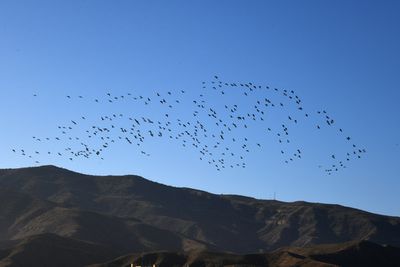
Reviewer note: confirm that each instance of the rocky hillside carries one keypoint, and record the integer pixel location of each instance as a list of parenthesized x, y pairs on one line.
[(131, 214)]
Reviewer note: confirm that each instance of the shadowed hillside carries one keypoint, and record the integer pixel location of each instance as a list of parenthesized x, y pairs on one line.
[(352, 254), (52, 250), (132, 214)]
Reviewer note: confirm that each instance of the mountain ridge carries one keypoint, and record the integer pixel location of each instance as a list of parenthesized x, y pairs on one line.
[(359, 253), (228, 195), (133, 214)]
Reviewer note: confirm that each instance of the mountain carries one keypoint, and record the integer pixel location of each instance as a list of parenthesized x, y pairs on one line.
[(129, 214), (351, 254), (52, 250)]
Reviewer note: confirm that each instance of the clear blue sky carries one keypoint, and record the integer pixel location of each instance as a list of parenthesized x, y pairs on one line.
[(341, 56)]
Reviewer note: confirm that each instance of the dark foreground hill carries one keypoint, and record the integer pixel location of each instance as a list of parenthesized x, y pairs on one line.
[(352, 254), (52, 250), (129, 214)]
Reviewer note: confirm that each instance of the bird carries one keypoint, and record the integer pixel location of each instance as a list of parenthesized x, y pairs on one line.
[(207, 138)]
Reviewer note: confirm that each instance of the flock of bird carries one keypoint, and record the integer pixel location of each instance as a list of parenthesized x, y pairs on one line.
[(220, 125)]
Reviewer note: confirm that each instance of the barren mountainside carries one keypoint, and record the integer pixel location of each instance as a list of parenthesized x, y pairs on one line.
[(129, 214), (350, 254)]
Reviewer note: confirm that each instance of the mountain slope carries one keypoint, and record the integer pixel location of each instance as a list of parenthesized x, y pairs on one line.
[(83, 206), (351, 254), (52, 250)]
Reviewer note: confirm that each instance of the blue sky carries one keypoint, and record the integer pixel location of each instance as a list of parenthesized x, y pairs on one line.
[(339, 56)]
